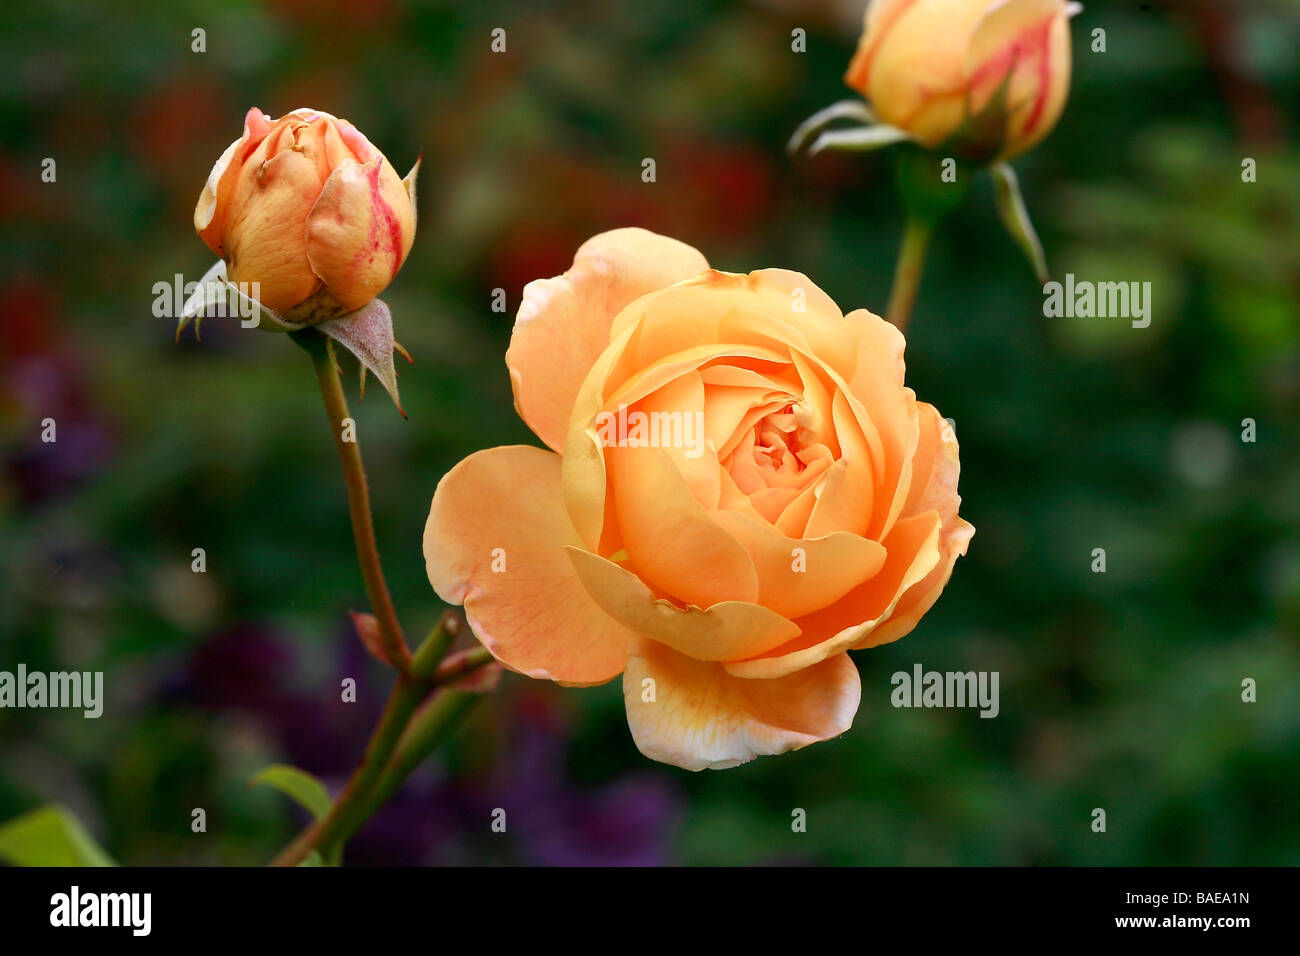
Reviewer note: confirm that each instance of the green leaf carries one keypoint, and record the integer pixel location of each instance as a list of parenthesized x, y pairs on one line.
[(298, 785), (1011, 208), (50, 836)]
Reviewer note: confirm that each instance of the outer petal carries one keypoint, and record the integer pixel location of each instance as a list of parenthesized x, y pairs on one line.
[(702, 717), (1027, 41), (937, 469), (768, 308), (264, 236), (563, 323), (725, 631), (535, 616), (911, 64), (913, 552), (211, 211), (360, 230), (798, 576)]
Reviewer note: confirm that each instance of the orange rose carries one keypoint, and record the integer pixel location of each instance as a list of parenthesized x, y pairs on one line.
[(739, 490), (990, 77), (306, 208)]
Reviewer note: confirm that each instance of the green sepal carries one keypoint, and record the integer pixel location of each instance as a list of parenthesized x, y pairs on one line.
[(1015, 216)]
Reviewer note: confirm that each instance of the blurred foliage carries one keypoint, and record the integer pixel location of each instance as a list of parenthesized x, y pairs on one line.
[(1119, 690)]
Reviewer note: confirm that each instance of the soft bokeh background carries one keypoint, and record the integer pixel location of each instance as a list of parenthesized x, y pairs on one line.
[(1118, 690)]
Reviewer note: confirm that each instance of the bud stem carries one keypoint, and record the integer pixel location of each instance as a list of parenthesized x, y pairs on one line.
[(354, 476), (907, 272)]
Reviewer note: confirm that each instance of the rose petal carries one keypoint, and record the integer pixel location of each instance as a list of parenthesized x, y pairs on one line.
[(359, 231), (702, 717), (725, 631), (794, 585), (265, 241), (535, 616), (214, 202), (935, 487), (563, 323), (670, 538), (910, 67), (912, 553)]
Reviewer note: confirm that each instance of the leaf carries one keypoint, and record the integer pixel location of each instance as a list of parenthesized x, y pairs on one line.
[(298, 785), (368, 334), (859, 139), (1014, 215), (844, 109), (50, 836)]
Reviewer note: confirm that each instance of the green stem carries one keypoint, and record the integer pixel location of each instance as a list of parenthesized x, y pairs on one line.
[(354, 476), (907, 272), (430, 726), (356, 801), (452, 670)]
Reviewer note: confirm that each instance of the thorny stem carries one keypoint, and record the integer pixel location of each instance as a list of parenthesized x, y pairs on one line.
[(354, 476)]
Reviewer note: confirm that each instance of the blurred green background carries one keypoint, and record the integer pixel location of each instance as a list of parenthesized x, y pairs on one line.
[(1119, 690)]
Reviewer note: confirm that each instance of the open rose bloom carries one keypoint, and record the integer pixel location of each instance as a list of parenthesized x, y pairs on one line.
[(738, 490), (986, 78), (306, 208)]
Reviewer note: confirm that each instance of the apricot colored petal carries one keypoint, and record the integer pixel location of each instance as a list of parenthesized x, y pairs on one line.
[(846, 500), (878, 21), (1026, 45), (727, 630), (563, 324), (675, 418), (797, 576), (535, 616), (671, 540), (773, 309), (936, 466), (211, 211), (877, 393), (266, 234), (912, 67), (359, 231), (912, 552), (699, 716), (920, 597), (935, 488)]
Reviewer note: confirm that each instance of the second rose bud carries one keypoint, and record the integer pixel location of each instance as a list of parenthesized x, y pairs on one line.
[(986, 79)]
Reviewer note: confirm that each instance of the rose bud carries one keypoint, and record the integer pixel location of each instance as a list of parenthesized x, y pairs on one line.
[(306, 208), (737, 490), (986, 79)]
